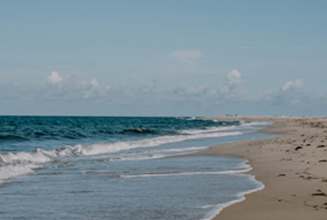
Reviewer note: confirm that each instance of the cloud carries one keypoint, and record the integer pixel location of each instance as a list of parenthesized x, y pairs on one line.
[(186, 54), (68, 87), (291, 94), (74, 89), (54, 78), (228, 94), (291, 85), (94, 83), (233, 80)]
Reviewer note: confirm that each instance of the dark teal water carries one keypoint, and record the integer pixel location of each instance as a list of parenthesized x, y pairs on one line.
[(29, 133), (117, 167)]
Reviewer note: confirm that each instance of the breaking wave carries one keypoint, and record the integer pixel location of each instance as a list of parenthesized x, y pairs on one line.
[(20, 163)]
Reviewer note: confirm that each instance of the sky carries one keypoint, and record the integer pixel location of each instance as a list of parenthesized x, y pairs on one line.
[(163, 58)]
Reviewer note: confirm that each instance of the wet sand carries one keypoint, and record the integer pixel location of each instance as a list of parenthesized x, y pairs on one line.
[(293, 168)]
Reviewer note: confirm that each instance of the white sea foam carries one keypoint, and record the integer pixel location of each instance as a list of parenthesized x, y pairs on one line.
[(208, 130), (255, 123), (185, 149), (217, 208), (20, 157), (151, 142), (184, 174), (102, 171), (192, 119), (10, 171), (150, 157), (13, 161)]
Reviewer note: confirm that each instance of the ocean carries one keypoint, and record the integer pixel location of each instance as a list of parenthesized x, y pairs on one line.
[(119, 168)]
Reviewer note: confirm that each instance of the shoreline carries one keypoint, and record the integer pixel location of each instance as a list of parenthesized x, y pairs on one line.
[(292, 167)]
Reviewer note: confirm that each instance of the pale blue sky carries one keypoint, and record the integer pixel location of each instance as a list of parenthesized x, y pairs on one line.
[(163, 57)]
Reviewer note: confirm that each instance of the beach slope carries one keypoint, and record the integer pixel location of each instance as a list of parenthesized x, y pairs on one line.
[(293, 168)]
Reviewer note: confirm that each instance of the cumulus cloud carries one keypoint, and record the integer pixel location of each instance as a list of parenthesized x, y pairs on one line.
[(290, 94), (234, 77), (296, 84), (68, 87), (186, 54), (72, 88), (54, 78), (228, 92), (233, 80)]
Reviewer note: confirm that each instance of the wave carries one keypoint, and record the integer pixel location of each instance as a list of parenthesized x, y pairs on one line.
[(146, 131), (149, 155), (185, 174), (103, 171), (30, 159), (224, 126), (143, 143), (207, 130), (76, 128), (255, 123), (192, 119), (185, 149), (15, 170), (11, 137)]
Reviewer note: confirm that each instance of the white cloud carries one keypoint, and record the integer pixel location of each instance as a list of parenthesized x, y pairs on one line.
[(228, 92), (94, 83), (68, 87), (291, 94), (233, 80), (186, 54), (296, 84), (234, 77), (71, 88), (54, 78)]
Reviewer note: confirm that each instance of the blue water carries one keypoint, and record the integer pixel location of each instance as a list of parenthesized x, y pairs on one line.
[(117, 167)]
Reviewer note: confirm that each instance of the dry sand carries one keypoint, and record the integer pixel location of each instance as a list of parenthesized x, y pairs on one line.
[(292, 167)]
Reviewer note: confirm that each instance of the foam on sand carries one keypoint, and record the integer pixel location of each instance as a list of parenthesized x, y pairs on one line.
[(185, 173), (217, 208)]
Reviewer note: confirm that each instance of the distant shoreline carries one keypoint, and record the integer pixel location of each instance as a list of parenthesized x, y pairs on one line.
[(292, 168)]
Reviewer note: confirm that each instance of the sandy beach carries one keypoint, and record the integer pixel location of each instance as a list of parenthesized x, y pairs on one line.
[(293, 168)]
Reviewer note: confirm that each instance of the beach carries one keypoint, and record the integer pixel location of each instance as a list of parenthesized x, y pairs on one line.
[(292, 167), (124, 168)]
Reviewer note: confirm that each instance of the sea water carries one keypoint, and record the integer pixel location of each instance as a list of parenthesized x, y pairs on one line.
[(119, 167)]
